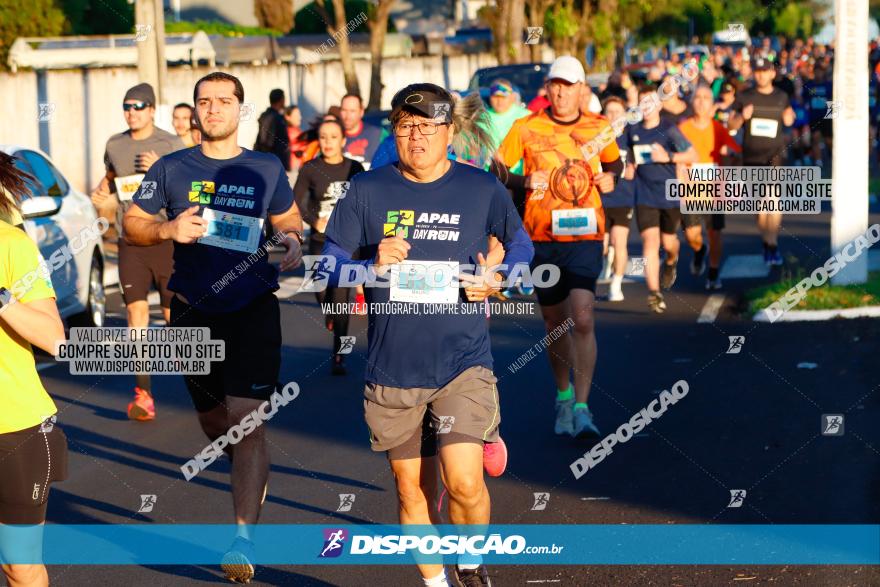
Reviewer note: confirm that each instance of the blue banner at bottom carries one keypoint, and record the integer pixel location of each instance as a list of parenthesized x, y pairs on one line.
[(680, 544)]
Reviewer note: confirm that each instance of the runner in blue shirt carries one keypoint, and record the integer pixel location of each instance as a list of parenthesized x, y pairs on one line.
[(217, 197), (655, 147), (430, 388)]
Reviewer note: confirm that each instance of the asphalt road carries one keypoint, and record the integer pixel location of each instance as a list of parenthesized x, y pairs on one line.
[(750, 421)]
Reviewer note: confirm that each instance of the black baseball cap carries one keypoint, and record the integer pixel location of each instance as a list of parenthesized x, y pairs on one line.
[(425, 100), (762, 64)]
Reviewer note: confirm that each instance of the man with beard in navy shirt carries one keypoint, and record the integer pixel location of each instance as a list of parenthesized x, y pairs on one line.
[(217, 197)]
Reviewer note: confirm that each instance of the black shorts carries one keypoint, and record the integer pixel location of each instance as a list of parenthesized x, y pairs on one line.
[(579, 264), (824, 126), (30, 460), (715, 220), (252, 336), (618, 217), (773, 161), (668, 219), (141, 267)]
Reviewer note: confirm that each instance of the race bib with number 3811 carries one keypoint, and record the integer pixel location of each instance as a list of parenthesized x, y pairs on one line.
[(232, 231)]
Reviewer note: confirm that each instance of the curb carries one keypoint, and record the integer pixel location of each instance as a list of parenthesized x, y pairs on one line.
[(820, 315)]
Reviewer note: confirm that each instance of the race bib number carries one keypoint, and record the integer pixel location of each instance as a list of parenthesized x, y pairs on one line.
[(642, 154), (232, 231), (425, 282), (577, 222), (127, 186), (764, 127)]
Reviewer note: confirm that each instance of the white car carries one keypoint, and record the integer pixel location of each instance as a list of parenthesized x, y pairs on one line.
[(62, 222)]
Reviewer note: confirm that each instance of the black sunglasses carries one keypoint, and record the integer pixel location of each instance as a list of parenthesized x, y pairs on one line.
[(137, 106)]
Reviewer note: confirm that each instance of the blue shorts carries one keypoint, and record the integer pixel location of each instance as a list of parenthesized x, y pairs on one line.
[(579, 265)]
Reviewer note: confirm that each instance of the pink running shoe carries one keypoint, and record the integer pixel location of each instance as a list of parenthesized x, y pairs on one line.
[(495, 458), (142, 408)]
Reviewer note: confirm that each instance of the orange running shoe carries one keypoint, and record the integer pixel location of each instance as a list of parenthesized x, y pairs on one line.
[(142, 408), (360, 305)]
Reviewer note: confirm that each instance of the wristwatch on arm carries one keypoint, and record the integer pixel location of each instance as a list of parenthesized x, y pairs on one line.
[(297, 235), (6, 298)]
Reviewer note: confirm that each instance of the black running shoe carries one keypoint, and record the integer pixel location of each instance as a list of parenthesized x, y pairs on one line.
[(668, 273), (338, 368), (698, 263), (478, 577)]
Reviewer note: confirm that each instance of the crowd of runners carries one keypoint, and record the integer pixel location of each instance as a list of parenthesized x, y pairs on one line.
[(453, 183)]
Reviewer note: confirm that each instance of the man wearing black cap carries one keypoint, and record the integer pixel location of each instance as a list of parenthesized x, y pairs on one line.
[(127, 157), (765, 109), (430, 387)]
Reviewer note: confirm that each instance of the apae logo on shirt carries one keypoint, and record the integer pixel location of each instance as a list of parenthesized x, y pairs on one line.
[(207, 193), (435, 226)]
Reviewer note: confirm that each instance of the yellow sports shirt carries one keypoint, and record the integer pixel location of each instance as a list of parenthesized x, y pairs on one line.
[(23, 400)]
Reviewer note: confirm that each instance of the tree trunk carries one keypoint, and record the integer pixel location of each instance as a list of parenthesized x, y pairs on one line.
[(339, 35), (537, 10), (378, 25), (501, 31), (584, 33), (515, 31)]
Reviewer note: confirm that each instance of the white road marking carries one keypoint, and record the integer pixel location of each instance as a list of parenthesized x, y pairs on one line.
[(744, 267), (595, 498), (711, 308)]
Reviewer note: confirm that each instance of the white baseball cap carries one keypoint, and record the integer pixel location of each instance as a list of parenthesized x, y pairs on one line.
[(567, 68)]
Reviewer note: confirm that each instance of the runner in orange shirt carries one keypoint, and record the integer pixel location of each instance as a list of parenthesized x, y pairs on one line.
[(711, 141), (568, 157)]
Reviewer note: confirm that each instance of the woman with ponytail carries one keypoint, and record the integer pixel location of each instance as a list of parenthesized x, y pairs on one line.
[(33, 449)]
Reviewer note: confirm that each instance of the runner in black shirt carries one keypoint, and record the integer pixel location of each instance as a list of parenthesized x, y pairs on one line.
[(320, 184), (766, 109)]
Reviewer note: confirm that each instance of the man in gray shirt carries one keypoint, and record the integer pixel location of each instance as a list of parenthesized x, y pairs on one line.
[(127, 157)]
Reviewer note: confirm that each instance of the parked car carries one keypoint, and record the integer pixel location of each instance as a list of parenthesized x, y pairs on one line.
[(526, 77), (696, 51), (54, 213)]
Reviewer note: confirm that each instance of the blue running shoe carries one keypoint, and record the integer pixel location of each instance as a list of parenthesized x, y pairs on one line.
[(583, 424)]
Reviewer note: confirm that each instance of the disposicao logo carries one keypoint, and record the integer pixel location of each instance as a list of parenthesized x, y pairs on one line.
[(334, 541)]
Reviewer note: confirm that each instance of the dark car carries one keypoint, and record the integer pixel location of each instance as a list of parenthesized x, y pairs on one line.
[(526, 77)]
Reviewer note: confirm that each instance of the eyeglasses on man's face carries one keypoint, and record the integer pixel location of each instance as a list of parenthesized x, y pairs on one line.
[(404, 129)]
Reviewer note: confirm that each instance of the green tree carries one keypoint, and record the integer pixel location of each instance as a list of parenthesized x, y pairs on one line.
[(27, 18), (98, 17), (309, 21)]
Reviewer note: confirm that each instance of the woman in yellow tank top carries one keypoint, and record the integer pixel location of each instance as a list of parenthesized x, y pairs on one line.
[(33, 449)]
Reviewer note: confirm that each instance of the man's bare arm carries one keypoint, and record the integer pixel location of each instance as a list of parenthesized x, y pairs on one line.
[(144, 229), (288, 221)]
